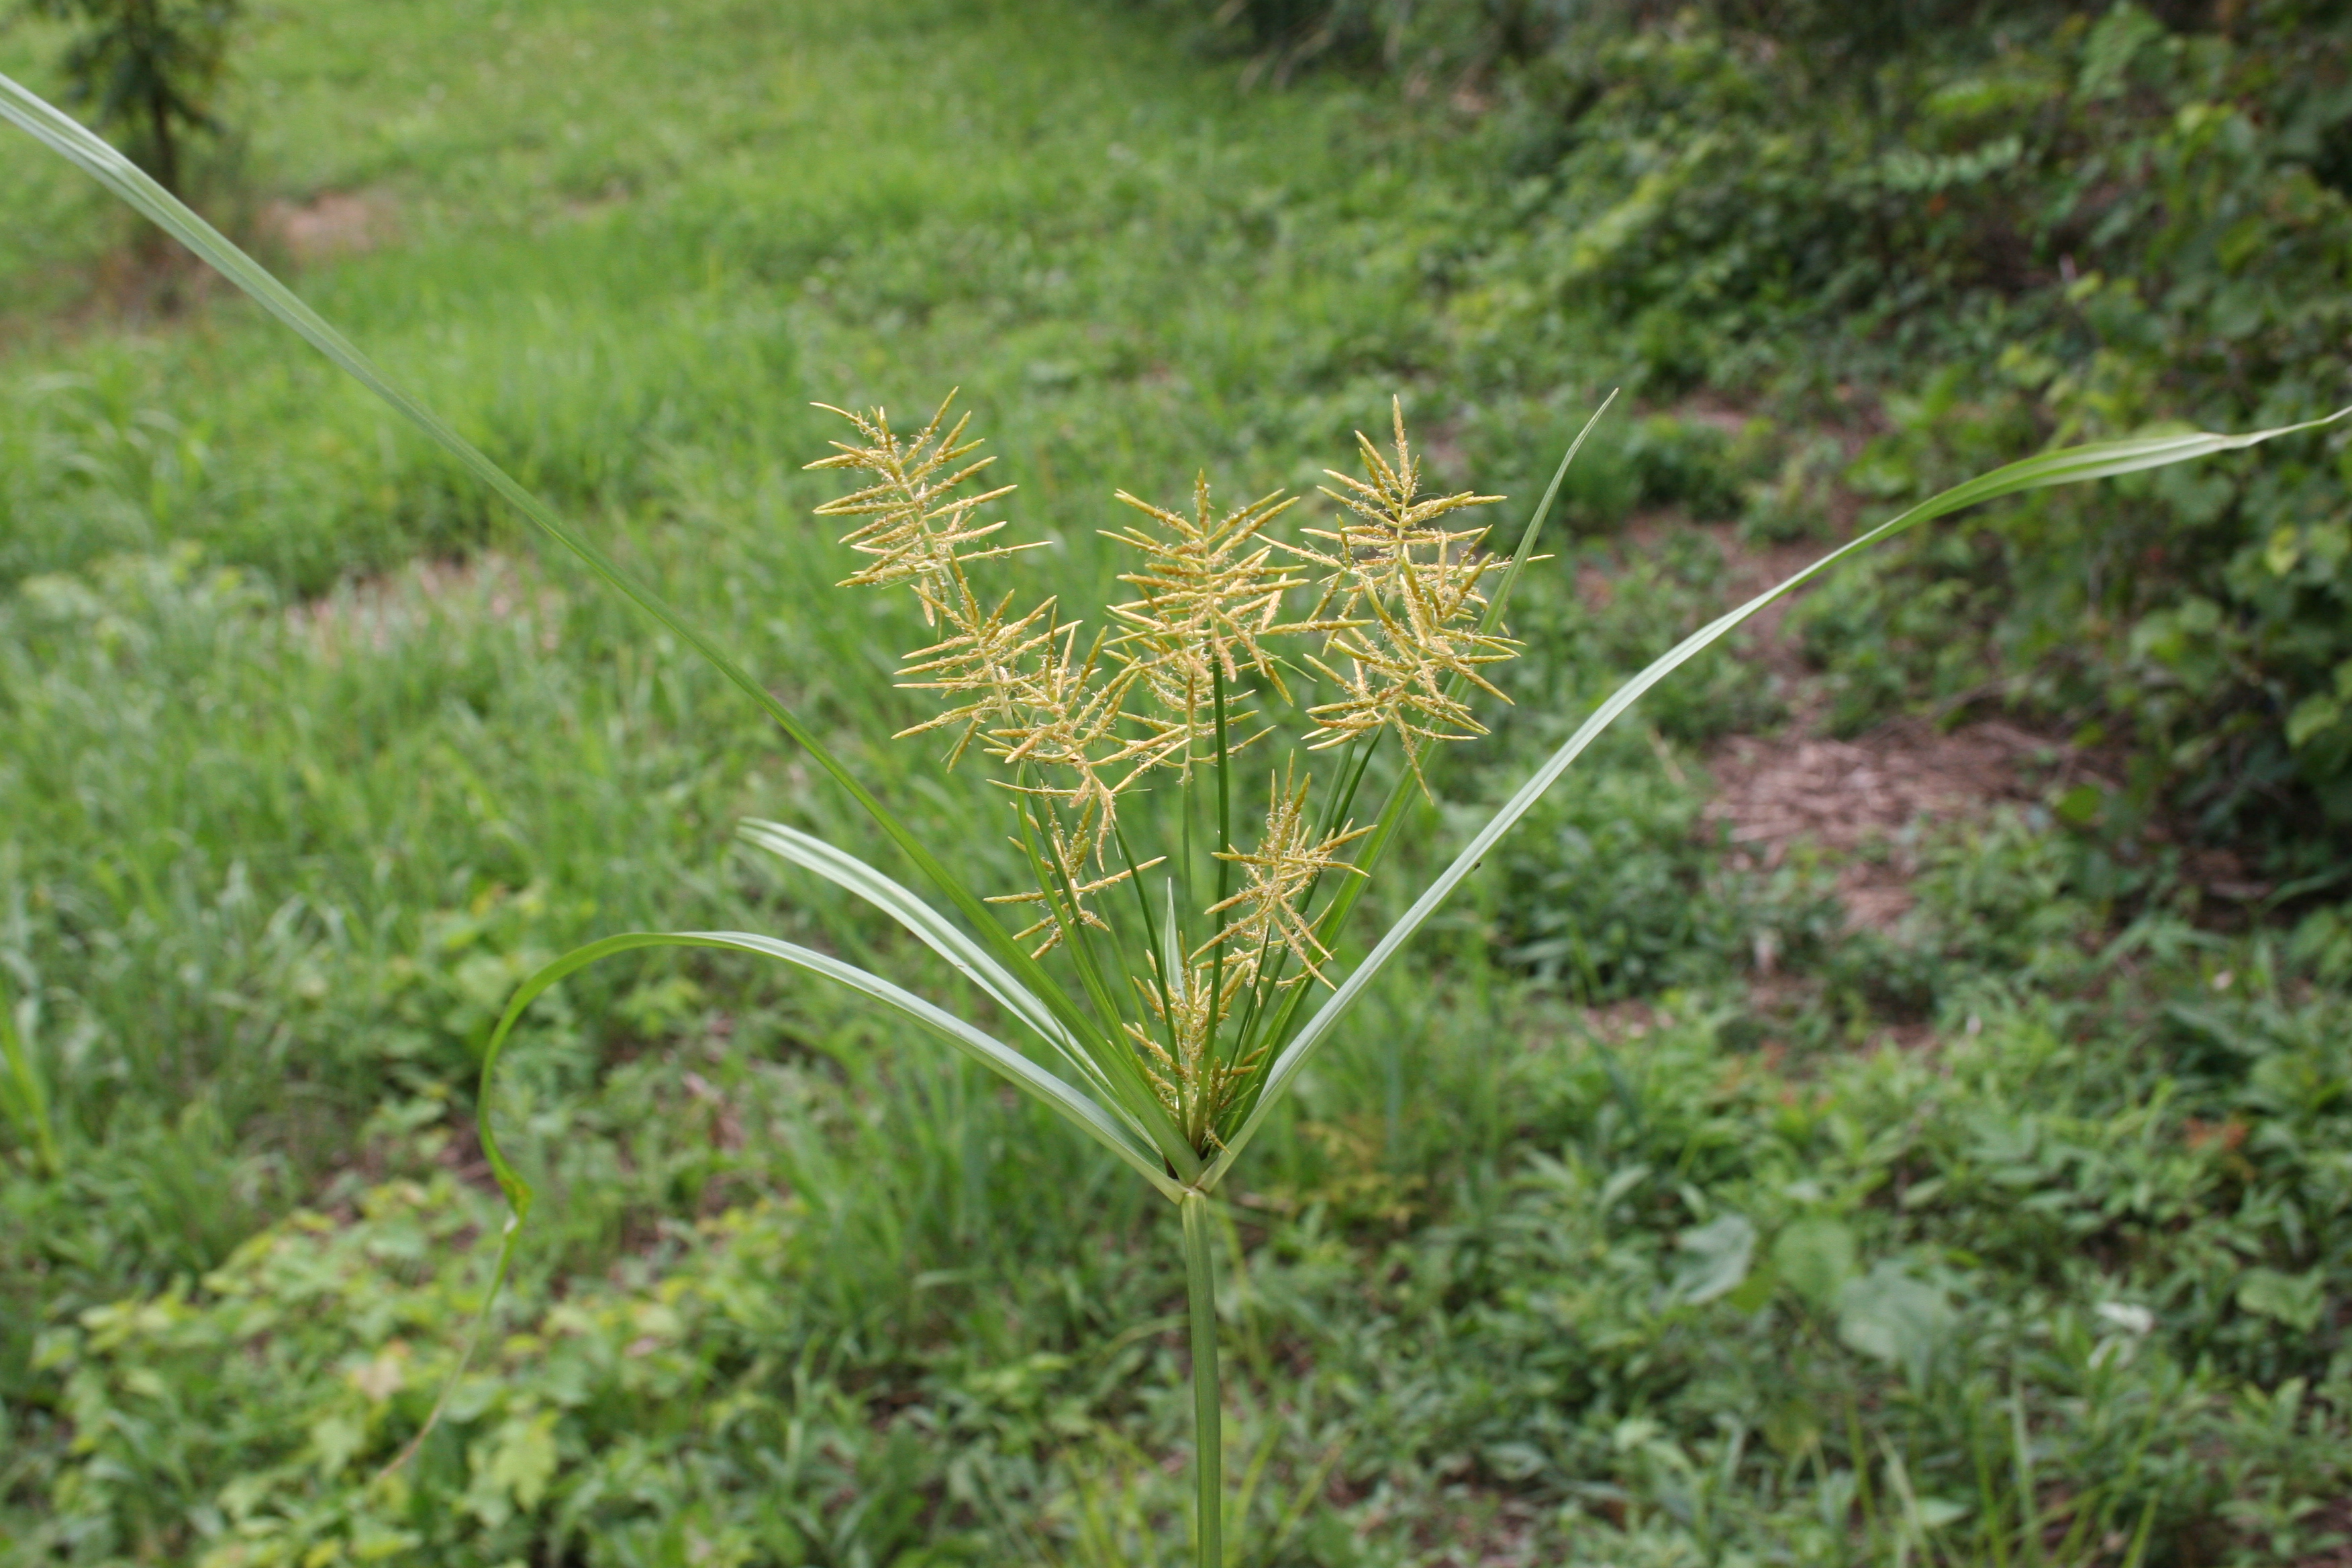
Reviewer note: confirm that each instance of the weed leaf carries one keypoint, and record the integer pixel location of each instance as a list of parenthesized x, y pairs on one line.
[(70, 138), (2072, 464)]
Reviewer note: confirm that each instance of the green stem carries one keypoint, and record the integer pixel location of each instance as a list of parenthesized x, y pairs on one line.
[(1224, 866), (1274, 958), (1208, 1408), (1225, 783), (2029, 1505), (1061, 904), (1157, 951)]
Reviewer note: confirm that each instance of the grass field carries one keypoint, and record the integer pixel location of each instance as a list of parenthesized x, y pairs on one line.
[(310, 757)]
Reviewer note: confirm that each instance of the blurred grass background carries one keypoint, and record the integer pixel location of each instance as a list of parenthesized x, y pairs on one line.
[(1587, 1246)]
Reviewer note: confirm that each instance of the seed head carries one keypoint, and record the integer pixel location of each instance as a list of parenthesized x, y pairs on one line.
[(1399, 606), (1288, 860), (1208, 600), (1076, 720), (917, 529), (1068, 856), (1193, 1082)]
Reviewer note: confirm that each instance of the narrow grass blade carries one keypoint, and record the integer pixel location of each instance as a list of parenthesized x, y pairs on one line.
[(1492, 621), (2138, 1553), (25, 1091), (70, 140), (993, 1054), (2073, 465), (937, 932), (2029, 1494)]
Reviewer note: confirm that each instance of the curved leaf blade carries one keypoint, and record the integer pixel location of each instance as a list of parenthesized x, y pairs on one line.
[(2073, 465), (1071, 1104), (65, 136), (934, 929)]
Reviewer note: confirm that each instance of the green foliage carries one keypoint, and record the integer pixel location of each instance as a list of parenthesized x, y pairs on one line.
[(24, 1089), (1984, 229), (630, 360), (2141, 221), (148, 69), (1615, 887), (1618, 890), (1693, 1302), (307, 762)]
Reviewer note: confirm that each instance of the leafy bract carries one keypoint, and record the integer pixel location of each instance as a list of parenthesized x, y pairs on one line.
[(2071, 465), (70, 138), (936, 931), (989, 1052)]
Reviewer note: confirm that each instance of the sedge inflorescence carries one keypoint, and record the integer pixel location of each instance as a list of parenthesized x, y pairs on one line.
[(1375, 627)]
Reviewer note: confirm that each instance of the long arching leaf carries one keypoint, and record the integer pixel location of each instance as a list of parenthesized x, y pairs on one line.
[(938, 932), (2072, 464), (70, 140), (991, 1053)]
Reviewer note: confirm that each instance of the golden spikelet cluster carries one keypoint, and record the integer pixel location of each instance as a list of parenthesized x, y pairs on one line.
[(1194, 1080), (1189, 997), (1074, 875), (1390, 639), (1399, 606), (1290, 858), (1211, 593), (918, 529), (1019, 683)]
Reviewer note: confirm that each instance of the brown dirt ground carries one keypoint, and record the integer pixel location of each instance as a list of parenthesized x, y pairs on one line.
[(331, 223), (1867, 799), (1870, 799), (373, 614)]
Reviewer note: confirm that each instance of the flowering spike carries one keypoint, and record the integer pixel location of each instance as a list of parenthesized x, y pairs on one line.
[(917, 529), (1399, 606), (1277, 875), (1207, 600), (1394, 602)]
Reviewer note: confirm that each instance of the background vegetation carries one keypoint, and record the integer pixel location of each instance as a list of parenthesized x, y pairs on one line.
[(1955, 232), (1623, 1230)]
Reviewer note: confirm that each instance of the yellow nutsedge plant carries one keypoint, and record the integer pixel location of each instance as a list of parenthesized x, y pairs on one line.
[(1190, 951), (1161, 965), (1184, 937)]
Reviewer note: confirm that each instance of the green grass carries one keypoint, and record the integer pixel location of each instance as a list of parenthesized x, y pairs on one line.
[(1130, 273), (310, 759)]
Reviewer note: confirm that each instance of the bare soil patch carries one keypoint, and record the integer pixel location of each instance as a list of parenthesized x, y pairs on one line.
[(1873, 799), (146, 280), (331, 223), (1869, 799), (374, 615)]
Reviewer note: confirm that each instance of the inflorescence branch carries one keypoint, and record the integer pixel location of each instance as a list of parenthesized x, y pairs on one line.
[(1389, 641)]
